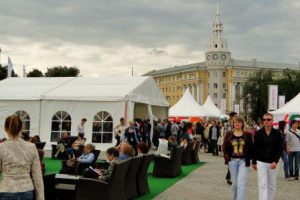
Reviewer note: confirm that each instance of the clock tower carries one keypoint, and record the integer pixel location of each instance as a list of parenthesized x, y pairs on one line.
[(217, 59), (217, 53)]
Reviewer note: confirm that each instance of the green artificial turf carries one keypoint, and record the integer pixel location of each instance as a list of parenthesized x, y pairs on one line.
[(156, 185)]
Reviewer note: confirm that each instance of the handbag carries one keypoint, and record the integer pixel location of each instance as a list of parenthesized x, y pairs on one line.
[(71, 163)]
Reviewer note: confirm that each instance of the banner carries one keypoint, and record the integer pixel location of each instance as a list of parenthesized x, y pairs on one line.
[(237, 109), (223, 105), (281, 101), (9, 67), (273, 97)]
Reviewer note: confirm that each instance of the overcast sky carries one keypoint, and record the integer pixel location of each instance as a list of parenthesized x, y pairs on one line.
[(108, 37)]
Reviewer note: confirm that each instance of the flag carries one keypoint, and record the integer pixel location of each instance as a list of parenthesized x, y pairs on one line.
[(9, 67), (24, 71)]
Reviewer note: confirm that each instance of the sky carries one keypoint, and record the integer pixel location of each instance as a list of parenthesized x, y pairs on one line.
[(103, 37)]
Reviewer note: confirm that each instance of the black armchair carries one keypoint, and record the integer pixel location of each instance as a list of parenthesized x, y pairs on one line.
[(186, 158), (142, 175), (131, 177), (195, 154), (79, 167), (93, 189), (49, 186), (168, 167)]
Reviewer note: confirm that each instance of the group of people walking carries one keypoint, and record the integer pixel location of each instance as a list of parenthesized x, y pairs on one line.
[(264, 149)]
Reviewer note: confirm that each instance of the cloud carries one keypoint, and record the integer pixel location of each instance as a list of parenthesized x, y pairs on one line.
[(110, 37)]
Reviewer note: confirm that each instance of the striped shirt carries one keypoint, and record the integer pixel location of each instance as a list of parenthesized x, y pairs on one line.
[(292, 140)]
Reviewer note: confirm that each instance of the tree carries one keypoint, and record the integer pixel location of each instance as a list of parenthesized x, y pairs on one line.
[(289, 84), (35, 73), (3, 72), (60, 71), (255, 93)]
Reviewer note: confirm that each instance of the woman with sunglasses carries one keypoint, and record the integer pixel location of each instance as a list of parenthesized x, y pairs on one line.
[(237, 149)]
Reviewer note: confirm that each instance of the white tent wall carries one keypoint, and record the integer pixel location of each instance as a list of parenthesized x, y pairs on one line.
[(78, 110), (9, 107), (160, 112), (141, 111)]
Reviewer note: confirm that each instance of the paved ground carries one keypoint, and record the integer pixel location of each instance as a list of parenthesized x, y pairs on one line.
[(208, 183)]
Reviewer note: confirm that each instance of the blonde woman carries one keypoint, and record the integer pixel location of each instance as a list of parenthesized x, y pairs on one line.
[(237, 149), (20, 165)]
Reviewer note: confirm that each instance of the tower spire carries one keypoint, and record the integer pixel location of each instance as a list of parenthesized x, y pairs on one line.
[(218, 13), (217, 42)]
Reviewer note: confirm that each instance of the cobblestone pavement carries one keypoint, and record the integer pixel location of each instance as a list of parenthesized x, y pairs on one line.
[(208, 183)]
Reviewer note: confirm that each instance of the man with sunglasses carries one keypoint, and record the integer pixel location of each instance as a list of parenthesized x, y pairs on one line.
[(267, 151)]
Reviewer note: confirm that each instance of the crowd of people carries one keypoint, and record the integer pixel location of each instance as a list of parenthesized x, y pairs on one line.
[(239, 144)]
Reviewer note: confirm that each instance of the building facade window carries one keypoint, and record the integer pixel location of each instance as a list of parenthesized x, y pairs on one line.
[(224, 74), (224, 95), (208, 85), (215, 95), (25, 118), (224, 85), (61, 122), (102, 128), (215, 74), (215, 85)]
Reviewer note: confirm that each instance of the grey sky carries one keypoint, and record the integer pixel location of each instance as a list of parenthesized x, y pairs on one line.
[(105, 37)]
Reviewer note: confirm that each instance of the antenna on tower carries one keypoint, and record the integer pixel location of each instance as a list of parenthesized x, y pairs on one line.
[(132, 71), (218, 14)]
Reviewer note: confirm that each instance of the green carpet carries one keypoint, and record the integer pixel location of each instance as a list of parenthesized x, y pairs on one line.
[(156, 185)]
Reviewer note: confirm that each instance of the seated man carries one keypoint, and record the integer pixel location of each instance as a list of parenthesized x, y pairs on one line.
[(104, 175), (63, 143)]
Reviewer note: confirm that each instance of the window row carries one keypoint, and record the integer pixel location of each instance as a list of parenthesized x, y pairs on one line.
[(102, 131), (177, 78)]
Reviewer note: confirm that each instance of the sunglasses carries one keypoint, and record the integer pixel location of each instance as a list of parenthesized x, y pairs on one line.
[(267, 119)]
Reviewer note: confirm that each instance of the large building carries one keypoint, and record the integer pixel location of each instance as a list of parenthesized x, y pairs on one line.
[(220, 75)]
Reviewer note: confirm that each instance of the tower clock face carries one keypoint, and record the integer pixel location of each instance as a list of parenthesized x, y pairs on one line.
[(223, 56), (208, 57), (215, 56)]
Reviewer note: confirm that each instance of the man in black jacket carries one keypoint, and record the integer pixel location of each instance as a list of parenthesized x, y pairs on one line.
[(267, 151), (214, 133)]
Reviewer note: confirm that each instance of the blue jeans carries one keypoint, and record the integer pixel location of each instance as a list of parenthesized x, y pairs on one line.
[(17, 196), (285, 160), (294, 155), (239, 175)]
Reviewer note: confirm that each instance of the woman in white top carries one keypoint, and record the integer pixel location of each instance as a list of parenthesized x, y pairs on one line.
[(19, 161)]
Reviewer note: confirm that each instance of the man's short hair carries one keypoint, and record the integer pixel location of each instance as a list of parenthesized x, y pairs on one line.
[(232, 114), (268, 114), (84, 119), (293, 122)]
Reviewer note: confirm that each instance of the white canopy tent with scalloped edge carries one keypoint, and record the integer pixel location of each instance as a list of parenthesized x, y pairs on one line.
[(188, 107)]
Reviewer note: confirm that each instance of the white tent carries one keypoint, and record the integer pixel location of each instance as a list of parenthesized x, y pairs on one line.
[(212, 108), (290, 108), (80, 97), (187, 107)]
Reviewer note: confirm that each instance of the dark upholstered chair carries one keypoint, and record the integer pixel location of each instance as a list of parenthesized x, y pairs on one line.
[(131, 177), (168, 167), (40, 145), (93, 189), (81, 166), (142, 175), (78, 169), (49, 186), (195, 154), (186, 158)]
